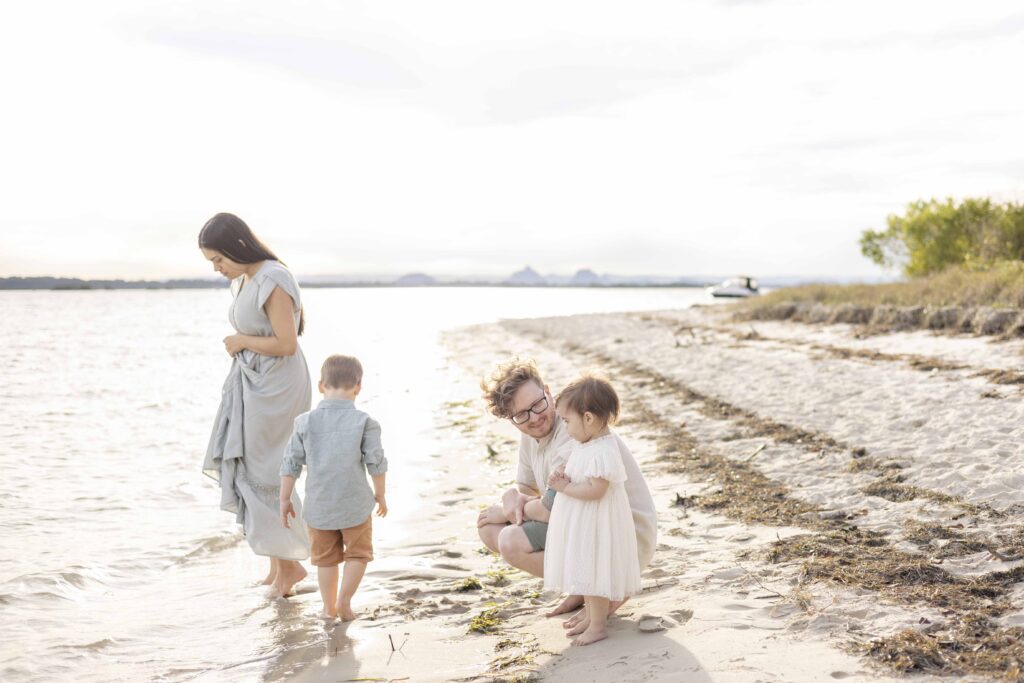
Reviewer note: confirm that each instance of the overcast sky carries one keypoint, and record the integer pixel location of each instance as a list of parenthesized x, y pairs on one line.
[(476, 137)]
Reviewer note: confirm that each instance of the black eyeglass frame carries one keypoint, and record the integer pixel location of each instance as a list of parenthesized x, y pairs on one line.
[(533, 409)]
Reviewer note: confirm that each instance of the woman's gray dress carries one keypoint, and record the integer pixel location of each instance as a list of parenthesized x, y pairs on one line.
[(262, 396)]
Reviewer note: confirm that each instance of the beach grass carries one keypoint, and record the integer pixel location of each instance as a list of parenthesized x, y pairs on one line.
[(1000, 286)]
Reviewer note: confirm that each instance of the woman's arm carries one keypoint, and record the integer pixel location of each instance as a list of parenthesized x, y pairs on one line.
[(285, 340)]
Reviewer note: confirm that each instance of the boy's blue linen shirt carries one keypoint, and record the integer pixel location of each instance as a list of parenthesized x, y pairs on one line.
[(338, 444)]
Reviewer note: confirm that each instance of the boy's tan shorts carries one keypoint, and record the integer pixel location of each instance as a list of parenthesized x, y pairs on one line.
[(331, 547)]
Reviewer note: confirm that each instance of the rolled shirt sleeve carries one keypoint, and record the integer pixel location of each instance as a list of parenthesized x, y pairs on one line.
[(295, 452), (373, 451)]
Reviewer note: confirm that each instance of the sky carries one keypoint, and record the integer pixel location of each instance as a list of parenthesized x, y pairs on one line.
[(474, 138)]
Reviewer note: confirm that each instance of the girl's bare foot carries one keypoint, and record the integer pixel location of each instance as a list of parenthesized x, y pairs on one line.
[(579, 627), (570, 603), (345, 612), (289, 574), (591, 635), (575, 619)]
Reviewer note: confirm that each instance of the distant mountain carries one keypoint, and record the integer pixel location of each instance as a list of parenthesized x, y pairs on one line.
[(587, 278), (527, 277), (415, 280)]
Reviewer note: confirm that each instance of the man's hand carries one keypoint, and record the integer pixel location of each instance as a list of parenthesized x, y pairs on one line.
[(512, 504), (558, 479), (286, 510), (382, 506), (491, 515)]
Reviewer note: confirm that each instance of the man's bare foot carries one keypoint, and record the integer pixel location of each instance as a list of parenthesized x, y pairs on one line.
[(289, 574), (591, 635), (579, 627), (571, 602), (345, 612)]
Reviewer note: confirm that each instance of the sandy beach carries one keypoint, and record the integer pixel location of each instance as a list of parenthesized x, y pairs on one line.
[(831, 506)]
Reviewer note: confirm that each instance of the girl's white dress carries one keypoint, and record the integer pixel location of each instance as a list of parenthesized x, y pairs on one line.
[(591, 544)]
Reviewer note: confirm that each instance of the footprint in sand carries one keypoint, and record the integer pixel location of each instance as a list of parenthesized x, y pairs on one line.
[(654, 623)]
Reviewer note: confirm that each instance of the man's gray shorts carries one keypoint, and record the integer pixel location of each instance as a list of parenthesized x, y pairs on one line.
[(537, 532)]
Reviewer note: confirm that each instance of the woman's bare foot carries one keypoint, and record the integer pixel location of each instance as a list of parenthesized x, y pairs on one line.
[(345, 611), (570, 603), (591, 635), (289, 573), (271, 575), (324, 614)]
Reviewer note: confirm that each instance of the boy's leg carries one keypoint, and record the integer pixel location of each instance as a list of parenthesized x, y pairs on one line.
[(326, 553), (597, 621), (327, 577), (350, 578), (358, 542)]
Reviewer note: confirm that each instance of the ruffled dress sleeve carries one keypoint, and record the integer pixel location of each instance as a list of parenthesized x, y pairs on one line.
[(604, 461), (273, 276)]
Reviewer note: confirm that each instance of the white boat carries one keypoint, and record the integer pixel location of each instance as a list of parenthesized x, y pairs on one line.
[(735, 287)]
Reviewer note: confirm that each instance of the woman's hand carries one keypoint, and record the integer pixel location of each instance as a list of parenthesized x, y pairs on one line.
[(233, 344)]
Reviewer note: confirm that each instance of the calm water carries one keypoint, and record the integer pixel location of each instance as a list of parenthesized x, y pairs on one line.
[(115, 563)]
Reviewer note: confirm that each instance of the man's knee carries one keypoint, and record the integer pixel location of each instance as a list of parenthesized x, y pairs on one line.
[(489, 535), (512, 542)]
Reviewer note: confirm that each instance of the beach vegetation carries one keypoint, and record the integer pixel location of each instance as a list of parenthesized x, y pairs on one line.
[(488, 621), (468, 584), (1001, 285), (934, 235)]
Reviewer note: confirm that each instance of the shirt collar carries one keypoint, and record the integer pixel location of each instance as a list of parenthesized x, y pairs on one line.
[(340, 403)]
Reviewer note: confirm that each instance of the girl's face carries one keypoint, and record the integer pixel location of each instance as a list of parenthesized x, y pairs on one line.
[(222, 264), (580, 427)]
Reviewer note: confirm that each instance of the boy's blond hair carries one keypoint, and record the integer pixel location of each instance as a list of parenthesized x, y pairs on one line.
[(505, 381), (590, 394), (341, 372)]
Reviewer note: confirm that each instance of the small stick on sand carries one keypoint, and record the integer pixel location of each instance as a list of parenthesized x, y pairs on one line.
[(756, 451)]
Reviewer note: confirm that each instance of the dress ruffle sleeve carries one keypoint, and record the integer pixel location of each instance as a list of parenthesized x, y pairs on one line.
[(604, 462), (273, 277)]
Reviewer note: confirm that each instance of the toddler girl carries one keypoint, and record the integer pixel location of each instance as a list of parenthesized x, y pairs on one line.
[(591, 546)]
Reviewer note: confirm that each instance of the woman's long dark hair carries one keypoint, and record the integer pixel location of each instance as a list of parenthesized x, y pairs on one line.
[(228, 234)]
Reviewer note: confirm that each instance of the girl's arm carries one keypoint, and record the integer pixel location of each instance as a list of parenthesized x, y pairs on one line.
[(591, 489), (285, 340)]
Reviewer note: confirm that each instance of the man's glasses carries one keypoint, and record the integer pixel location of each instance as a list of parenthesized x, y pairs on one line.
[(538, 407)]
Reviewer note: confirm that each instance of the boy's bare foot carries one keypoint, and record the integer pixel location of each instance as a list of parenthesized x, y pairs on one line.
[(591, 635), (345, 612), (289, 574), (570, 603)]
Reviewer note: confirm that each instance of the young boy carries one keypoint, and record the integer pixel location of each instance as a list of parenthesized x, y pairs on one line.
[(339, 445)]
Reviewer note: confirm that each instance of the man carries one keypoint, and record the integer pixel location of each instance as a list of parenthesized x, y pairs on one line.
[(516, 528)]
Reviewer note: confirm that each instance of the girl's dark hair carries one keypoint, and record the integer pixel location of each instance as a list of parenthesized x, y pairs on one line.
[(590, 394), (228, 234)]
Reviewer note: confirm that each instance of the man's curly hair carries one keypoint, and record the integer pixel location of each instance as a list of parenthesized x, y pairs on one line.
[(505, 381)]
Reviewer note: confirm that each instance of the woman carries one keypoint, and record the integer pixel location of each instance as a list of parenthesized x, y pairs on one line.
[(267, 387)]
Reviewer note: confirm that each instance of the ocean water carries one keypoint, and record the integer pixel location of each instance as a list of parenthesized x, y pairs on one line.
[(115, 562)]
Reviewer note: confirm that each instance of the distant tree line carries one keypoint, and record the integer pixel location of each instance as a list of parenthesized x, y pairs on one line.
[(933, 235)]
